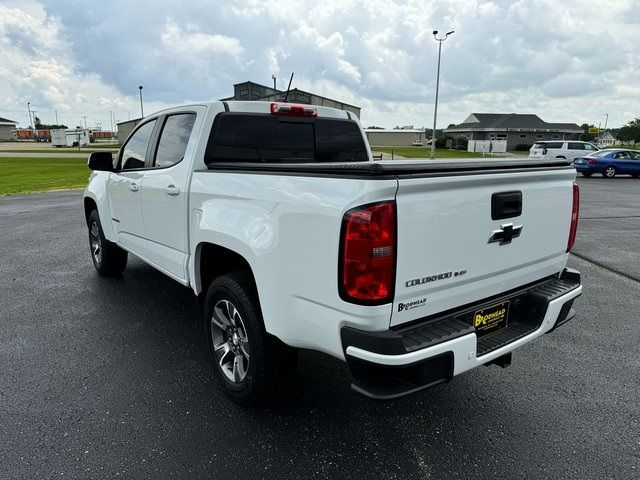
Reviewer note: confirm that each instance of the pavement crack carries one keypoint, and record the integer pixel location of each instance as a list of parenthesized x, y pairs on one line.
[(632, 278)]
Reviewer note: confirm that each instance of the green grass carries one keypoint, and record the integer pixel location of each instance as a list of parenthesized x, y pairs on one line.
[(56, 151), (422, 152), (28, 175)]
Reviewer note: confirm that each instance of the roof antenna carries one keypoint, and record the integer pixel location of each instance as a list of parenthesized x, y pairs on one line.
[(287, 92)]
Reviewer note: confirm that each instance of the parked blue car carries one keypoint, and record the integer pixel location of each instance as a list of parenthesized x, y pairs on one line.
[(609, 163)]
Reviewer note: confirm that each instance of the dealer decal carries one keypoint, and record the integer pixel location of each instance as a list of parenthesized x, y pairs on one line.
[(411, 305)]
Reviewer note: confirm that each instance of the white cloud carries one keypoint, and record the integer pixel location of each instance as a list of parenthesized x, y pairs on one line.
[(566, 62)]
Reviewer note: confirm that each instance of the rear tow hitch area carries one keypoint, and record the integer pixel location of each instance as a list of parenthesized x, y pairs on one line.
[(502, 361)]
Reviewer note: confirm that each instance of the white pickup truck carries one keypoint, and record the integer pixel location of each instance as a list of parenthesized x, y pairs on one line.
[(291, 236)]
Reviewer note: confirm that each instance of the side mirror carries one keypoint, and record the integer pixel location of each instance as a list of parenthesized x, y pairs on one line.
[(102, 161)]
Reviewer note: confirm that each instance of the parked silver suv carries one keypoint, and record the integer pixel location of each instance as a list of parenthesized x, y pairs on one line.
[(568, 149)]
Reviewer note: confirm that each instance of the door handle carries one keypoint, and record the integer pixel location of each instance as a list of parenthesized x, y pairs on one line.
[(172, 190), (134, 187)]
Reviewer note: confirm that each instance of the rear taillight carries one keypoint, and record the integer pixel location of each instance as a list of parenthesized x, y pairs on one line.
[(591, 161), (294, 110), (575, 211), (368, 254)]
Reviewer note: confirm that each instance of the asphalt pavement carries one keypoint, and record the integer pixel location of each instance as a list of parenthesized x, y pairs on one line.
[(102, 378)]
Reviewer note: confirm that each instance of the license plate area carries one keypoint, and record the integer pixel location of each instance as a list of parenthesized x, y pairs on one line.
[(491, 318)]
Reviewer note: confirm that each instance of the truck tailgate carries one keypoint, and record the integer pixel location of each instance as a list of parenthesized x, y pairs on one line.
[(445, 258)]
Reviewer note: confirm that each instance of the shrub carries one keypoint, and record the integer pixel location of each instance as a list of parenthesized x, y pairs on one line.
[(461, 144), (522, 147)]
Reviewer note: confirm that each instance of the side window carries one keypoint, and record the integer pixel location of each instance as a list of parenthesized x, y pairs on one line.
[(135, 150), (576, 146), (588, 146), (635, 155), (174, 139)]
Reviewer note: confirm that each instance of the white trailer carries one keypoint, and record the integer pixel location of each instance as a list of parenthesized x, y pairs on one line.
[(58, 137), (77, 137)]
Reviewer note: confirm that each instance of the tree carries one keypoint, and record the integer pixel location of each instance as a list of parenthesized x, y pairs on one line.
[(47, 126), (373, 127), (587, 137), (630, 132)]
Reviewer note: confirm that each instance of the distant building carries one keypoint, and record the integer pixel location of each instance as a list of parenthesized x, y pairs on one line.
[(609, 140), (125, 128), (251, 91), (254, 91), (515, 128), (394, 138), (7, 129)]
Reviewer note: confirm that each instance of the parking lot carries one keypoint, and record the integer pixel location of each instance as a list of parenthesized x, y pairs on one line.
[(109, 377)]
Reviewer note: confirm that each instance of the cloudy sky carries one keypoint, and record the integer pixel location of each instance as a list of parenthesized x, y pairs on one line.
[(571, 61)]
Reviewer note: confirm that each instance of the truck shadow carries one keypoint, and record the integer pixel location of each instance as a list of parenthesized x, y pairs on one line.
[(320, 424)]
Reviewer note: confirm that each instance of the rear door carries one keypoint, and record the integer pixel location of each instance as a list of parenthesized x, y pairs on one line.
[(124, 189), (462, 239), (164, 192), (575, 149), (538, 150)]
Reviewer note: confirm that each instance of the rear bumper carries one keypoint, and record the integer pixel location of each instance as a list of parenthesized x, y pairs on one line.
[(394, 363)]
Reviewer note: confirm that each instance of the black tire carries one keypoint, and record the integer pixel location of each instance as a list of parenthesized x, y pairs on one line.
[(609, 171), (268, 365), (108, 258), (587, 174)]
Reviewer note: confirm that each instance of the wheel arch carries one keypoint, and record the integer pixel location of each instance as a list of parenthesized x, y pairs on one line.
[(89, 205), (211, 261)]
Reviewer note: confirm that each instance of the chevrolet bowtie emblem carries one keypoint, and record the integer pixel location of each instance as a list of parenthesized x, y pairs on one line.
[(506, 233)]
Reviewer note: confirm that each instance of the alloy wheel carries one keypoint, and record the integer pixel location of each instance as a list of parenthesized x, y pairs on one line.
[(96, 242), (230, 341)]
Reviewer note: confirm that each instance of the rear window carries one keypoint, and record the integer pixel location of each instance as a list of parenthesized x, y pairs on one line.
[(241, 137)]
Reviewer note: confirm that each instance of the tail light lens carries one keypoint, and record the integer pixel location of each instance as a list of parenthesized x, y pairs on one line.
[(575, 211), (591, 161), (368, 254)]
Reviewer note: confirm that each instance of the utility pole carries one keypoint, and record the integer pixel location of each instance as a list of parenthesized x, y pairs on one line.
[(273, 77), (141, 108), (57, 123), (30, 122), (84, 120), (435, 108), (35, 126)]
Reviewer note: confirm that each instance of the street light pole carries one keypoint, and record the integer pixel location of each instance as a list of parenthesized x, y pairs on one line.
[(141, 108), (435, 108)]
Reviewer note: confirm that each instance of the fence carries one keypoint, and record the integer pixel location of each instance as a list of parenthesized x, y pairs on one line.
[(487, 146)]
